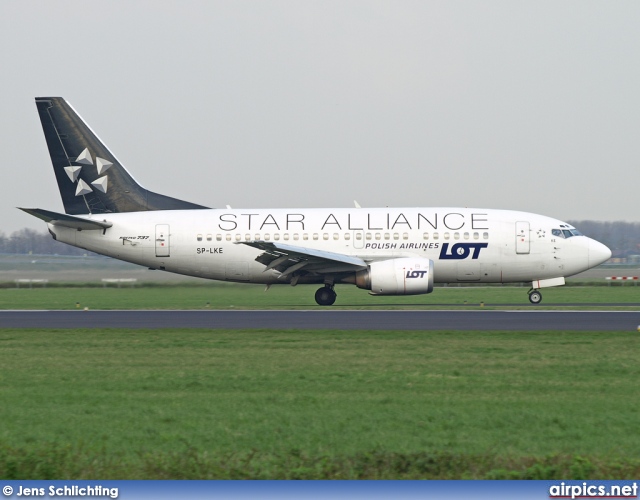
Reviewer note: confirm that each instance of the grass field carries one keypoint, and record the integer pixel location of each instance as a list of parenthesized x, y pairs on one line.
[(318, 404), (229, 296)]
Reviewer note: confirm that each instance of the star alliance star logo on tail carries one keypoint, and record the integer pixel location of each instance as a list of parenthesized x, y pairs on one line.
[(85, 160)]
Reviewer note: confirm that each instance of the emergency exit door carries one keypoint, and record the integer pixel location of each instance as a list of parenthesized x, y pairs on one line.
[(522, 237), (162, 240)]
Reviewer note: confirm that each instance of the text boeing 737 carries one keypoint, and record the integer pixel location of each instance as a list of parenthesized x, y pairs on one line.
[(388, 251)]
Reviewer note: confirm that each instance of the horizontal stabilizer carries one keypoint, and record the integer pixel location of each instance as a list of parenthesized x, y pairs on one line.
[(67, 220)]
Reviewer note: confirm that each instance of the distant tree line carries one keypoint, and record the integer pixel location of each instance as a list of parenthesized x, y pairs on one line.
[(28, 241), (622, 237)]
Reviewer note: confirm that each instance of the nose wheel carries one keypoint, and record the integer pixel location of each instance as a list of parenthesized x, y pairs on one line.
[(535, 297), (326, 296)]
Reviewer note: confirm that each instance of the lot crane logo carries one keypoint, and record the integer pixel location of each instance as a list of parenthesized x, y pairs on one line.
[(85, 160), (416, 274), (461, 251)]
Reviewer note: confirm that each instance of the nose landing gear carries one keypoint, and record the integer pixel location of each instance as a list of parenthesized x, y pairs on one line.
[(326, 296), (535, 297)]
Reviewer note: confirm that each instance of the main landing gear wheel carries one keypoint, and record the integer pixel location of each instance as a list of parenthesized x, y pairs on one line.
[(325, 296), (535, 297)]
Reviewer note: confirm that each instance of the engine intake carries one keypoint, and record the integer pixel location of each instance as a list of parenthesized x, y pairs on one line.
[(403, 276)]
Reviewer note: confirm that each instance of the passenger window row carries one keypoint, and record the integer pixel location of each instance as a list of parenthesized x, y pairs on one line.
[(336, 236), (456, 236)]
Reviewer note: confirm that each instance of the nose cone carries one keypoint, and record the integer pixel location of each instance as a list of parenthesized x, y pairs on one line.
[(598, 253)]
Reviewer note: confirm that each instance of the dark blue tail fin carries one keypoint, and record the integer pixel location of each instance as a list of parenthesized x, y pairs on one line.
[(90, 178)]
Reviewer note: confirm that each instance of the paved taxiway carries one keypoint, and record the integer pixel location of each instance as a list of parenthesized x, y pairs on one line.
[(331, 319)]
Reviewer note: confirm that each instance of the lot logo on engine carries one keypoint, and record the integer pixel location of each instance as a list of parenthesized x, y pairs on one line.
[(416, 274), (461, 251)]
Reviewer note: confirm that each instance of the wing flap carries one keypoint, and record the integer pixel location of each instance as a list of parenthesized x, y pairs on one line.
[(288, 259)]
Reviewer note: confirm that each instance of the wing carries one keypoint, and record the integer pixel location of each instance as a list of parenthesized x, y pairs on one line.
[(287, 259)]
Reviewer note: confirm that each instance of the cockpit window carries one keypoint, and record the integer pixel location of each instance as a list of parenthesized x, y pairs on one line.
[(565, 233)]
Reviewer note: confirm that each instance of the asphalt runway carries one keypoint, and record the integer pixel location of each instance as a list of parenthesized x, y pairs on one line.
[(329, 319)]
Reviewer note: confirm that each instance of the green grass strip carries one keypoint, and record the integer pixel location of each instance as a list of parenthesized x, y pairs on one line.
[(233, 296), (318, 404)]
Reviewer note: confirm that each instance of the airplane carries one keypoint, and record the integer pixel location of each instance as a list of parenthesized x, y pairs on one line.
[(387, 251)]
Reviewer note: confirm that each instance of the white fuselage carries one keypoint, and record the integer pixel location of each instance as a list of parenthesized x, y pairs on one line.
[(465, 245)]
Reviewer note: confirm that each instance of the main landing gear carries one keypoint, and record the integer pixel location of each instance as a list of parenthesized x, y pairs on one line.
[(535, 297), (326, 296)]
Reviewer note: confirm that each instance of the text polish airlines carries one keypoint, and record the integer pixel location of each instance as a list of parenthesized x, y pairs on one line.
[(388, 251)]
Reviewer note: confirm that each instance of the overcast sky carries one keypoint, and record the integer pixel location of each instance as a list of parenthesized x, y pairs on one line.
[(518, 105)]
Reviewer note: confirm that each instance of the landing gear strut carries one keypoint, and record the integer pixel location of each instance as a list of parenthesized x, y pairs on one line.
[(326, 296), (535, 297)]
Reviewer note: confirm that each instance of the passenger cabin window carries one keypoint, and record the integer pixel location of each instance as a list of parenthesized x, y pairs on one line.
[(218, 237), (199, 237), (209, 237)]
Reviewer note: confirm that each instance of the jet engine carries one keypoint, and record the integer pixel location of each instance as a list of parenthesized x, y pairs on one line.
[(402, 276)]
